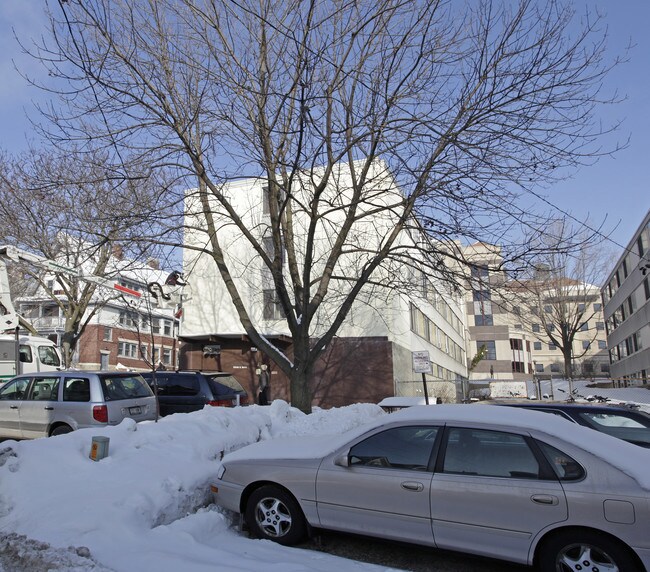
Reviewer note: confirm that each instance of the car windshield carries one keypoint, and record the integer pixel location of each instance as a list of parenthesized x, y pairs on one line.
[(224, 384), (48, 356), (124, 387)]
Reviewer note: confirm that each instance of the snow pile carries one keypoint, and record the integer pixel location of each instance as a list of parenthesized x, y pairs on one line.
[(147, 505)]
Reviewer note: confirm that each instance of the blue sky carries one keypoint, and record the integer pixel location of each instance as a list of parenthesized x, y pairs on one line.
[(615, 190)]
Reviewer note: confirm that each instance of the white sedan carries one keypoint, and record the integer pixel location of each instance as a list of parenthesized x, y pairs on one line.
[(517, 485)]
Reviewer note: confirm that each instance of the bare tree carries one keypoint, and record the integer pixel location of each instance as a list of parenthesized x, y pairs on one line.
[(563, 293), (68, 212), (468, 107)]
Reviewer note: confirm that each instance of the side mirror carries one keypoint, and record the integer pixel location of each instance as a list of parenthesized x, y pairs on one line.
[(343, 460)]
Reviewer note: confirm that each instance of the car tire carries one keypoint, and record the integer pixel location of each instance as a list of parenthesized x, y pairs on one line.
[(584, 550), (273, 514), (61, 430)]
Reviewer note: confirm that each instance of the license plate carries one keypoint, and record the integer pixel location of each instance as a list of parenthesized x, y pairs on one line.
[(135, 410)]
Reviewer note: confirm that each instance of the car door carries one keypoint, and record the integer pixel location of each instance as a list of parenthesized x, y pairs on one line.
[(380, 485), (11, 399), (492, 492), (37, 410)]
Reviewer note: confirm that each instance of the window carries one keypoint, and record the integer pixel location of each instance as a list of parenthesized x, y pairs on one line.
[(485, 320), (604, 367), (586, 344), (127, 349), (167, 327), (552, 347), (600, 325), (539, 367), (516, 310), (537, 346), (108, 334), (26, 354), (536, 328), (602, 345), (598, 307), (519, 327), (167, 356), (565, 467), (48, 356), (548, 309), (479, 272), (128, 319), (555, 367), (76, 389), (490, 349), (397, 448), (481, 295), (15, 390), (490, 454), (45, 389), (584, 326), (272, 308), (581, 307)]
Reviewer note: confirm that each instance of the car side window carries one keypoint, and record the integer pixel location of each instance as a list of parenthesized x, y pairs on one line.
[(566, 468), (45, 389), (26, 354), (489, 454), (602, 421), (185, 385), (15, 390), (76, 389), (407, 447)]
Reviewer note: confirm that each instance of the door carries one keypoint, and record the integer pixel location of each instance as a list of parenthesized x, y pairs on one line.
[(384, 489), (490, 494), (11, 399), (38, 409)]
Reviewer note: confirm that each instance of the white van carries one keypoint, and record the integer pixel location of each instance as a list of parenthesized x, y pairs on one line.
[(35, 354)]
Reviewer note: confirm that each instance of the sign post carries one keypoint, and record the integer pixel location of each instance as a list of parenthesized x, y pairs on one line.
[(421, 364)]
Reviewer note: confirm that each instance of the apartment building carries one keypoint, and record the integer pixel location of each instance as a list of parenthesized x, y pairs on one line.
[(511, 320), (626, 297), (371, 356), (124, 332)]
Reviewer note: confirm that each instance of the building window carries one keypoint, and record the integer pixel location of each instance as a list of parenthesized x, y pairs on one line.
[(108, 334), (539, 367), (144, 351), (483, 320), (600, 325), (167, 327), (586, 344), (128, 319), (584, 326), (581, 307), (167, 356), (272, 308), (548, 309), (536, 328), (490, 349), (604, 367), (537, 346), (552, 347), (555, 367), (127, 349), (602, 345), (519, 327), (479, 271), (598, 307), (518, 367)]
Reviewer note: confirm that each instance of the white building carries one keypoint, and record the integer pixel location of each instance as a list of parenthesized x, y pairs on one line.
[(371, 356), (626, 295)]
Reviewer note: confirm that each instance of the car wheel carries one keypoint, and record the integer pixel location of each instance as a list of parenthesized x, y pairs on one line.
[(582, 550), (273, 514), (61, 430)]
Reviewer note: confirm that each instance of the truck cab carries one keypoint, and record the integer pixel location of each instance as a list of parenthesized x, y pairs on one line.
[(35, 354)]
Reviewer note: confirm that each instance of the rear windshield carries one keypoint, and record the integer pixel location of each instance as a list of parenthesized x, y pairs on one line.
[(224, 384), (124, 387)]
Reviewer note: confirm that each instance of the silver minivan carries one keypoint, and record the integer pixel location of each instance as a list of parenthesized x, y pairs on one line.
[(53, 403)]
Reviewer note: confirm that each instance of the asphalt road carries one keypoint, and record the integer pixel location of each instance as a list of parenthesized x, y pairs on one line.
[(405, 556)]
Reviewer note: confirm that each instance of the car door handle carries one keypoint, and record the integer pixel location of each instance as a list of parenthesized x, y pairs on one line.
[(13, 407), (545, 499), (49, 408), (412, 486)]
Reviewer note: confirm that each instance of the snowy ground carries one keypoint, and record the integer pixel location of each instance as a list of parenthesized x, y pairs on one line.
[(147, 506)]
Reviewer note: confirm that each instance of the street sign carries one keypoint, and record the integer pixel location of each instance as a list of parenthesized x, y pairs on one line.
[(421, 363)]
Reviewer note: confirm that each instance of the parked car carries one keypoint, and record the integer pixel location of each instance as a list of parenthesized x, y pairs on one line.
[(52, 403), (186, 391), (504, 483), (619, 421)]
